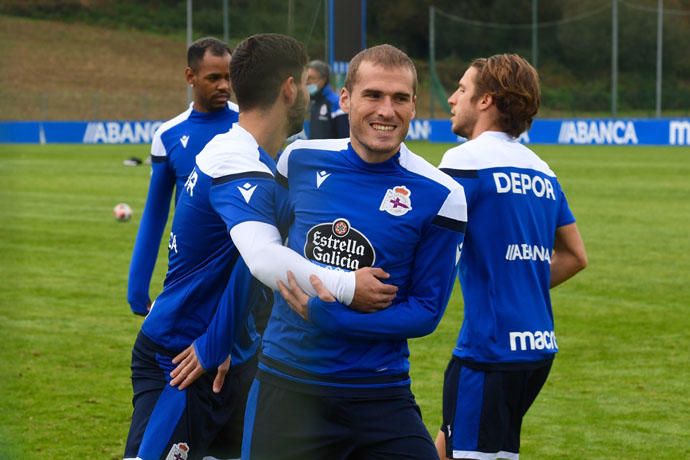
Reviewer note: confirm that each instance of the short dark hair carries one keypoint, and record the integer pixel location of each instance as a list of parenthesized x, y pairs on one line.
[(513, 84), (260, 64), (387, 56), (321, 67), (197, 50)]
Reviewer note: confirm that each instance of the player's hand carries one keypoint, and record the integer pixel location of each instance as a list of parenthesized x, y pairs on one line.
[(188, 368), (298, 299), (370, 293), (220, 375)]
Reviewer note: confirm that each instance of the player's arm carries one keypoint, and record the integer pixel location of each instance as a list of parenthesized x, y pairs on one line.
[(433, 276), (269, 261), (149, 235), (211, 349), (432, 281), (569, 255)]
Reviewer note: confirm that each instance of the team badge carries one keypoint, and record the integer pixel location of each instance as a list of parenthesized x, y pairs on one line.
[(324, 110), (178, 451), (397, 201)]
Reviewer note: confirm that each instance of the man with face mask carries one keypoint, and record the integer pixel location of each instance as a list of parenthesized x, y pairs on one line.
[(327, 121)]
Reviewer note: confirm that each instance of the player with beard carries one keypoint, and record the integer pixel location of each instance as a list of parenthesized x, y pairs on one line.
[(227, 209), (333, 383), (521, 240)]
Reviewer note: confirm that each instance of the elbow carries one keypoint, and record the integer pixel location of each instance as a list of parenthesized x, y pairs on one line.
[(425, 328), (257, 269), (581, 261), (260, 269)]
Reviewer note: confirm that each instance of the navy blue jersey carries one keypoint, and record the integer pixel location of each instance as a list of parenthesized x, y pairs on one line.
[(402, 215), (327, 120), (515, 204), (173, 151), (232, 182)]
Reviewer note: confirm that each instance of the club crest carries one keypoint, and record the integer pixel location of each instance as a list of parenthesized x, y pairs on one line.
[(397, 201), (178, 451)]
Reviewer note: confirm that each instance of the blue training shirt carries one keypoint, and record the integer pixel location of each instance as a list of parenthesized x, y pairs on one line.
[(515, 204), (173, 151), (402, 215), (233, 182)]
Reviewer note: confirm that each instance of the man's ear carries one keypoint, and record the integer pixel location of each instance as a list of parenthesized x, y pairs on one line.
[(189, 75), (289, 90), (345, 100), (414, 110), (486, 101)]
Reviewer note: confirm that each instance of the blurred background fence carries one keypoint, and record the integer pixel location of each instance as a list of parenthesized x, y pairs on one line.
[(107, 59)]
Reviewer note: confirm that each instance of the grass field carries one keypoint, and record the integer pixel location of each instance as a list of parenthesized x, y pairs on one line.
[(620, 387)]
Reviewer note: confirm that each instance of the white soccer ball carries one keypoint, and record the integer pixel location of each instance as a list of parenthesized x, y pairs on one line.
[(122, 212)]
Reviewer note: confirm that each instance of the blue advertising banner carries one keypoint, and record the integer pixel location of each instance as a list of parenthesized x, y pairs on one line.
[(78, 132), (568, 131), (576, 131)]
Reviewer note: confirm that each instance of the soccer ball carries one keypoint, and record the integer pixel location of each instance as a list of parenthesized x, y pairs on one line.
[(122, 212)]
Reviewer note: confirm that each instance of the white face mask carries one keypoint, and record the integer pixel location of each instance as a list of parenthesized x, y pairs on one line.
[(313, 89)]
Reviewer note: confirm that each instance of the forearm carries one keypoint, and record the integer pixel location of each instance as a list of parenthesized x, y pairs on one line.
[(432, 277), (564, 266), (569, 255), (269, 261), (148, 240), (402, 320)]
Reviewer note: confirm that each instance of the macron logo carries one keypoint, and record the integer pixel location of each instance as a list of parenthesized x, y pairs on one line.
[(537, 340), (184, 140), (320, 177), (247, 190)]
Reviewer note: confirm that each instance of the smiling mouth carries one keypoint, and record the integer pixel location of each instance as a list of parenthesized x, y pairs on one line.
[(383, 128)]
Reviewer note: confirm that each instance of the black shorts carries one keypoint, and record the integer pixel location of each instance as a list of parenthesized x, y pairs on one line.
[(483, 407), (286, 422), (193, 422)]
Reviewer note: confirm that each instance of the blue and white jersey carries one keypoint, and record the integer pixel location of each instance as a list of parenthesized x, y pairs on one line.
[(402, 215), (178, 141), (515, 204), (173, 151), (233, 182)]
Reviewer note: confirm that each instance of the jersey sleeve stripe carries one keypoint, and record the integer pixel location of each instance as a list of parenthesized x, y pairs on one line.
[(462, 173), (232, 177), (282, 180), (450, 224), (158, 159)]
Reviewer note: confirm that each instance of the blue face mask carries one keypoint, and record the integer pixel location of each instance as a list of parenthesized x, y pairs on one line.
[(313, 89)]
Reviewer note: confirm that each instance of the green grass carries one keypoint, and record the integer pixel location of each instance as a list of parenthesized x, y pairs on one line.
[(619, 387)]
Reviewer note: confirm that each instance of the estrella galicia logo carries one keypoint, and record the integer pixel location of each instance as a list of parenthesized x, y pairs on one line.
[(339, 245)]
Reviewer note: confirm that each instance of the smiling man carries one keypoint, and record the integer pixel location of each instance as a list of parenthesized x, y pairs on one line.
[(173, 151), (224, 228), (333, 382)]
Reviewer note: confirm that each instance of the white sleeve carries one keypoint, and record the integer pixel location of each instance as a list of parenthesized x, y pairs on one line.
[(261, 248)]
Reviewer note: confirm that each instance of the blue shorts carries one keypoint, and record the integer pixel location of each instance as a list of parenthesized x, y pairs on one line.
[(483, 407), (288, 421), (191, 423)]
